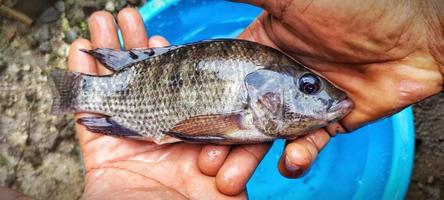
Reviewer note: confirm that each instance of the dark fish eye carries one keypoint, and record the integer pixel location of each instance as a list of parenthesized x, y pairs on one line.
[(309, 84)]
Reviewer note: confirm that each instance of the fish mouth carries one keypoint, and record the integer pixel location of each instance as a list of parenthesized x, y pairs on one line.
[(339, 110)]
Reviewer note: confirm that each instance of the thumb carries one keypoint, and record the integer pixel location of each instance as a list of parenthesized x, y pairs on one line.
[(275, 8), (278, 8)]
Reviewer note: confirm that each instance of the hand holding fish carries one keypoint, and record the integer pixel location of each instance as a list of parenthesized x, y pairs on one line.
[(366, 64), (385, 55), (218, 91)]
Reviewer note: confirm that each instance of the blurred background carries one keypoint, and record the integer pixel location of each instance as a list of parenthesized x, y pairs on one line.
[(39, 155)]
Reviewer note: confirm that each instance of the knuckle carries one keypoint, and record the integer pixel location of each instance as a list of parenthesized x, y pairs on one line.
[(311, 148), (250, 153)]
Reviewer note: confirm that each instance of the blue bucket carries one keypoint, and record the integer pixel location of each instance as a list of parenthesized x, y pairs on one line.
[(374, 162)]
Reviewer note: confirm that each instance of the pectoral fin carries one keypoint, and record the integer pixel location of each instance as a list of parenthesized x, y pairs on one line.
[(207, 128), (219, 129)]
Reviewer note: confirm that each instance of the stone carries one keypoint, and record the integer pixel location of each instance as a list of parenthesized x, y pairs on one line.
[(45, 47), (10, 113), (134, 2), (18, 138), (109, 6), (26, 67), (42, 34), (70, 36), (49, 15), (62, 50), (430, 179), (60, 6), (52, 129), (75, 15)]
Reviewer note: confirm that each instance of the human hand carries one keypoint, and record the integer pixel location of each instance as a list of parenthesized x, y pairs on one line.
[(119, 168), (384, 54), (9, 194)]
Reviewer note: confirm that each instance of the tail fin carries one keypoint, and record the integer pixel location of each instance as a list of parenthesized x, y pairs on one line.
[(65, 87)]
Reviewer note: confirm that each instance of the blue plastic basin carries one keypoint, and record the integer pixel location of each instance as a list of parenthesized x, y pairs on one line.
[(374, 162)]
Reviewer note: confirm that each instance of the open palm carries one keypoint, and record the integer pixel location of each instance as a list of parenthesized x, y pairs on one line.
[(132, 170)]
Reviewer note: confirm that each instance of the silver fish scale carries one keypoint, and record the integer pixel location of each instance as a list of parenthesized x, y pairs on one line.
[(152, 96)]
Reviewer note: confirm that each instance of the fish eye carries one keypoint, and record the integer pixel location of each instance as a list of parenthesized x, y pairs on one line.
[(309, 84)]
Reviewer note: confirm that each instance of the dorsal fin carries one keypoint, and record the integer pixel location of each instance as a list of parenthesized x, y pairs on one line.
[(116, 60)]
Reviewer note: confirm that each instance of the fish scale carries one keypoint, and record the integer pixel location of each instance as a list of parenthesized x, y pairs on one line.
[(200, 88)]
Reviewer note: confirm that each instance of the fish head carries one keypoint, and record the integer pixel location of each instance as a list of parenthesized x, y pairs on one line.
[(290, 103), (312, 102)]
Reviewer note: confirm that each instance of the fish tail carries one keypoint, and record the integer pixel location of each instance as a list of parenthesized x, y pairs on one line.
[(65, 87)]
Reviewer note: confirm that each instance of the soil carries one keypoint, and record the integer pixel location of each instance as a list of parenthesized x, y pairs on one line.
[(428, 172), (39, 154)]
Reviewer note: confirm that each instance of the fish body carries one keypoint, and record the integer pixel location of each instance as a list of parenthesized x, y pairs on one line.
[(220, 91)]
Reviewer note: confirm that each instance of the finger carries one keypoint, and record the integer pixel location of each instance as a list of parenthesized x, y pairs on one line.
[(301, 153), (276, 8), (103, 34), (132, 28), (211, 158), (238, 167), (158, 41), (84, 63), (256, 32)]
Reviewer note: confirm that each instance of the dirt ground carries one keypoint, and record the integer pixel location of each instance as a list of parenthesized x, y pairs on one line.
[(428, 173), (39, 155)]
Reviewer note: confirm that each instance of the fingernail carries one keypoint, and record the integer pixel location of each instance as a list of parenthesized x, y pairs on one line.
[(157, 41), (291, 167)]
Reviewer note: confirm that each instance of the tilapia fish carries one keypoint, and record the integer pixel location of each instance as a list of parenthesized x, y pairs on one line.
[(217, 91)]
